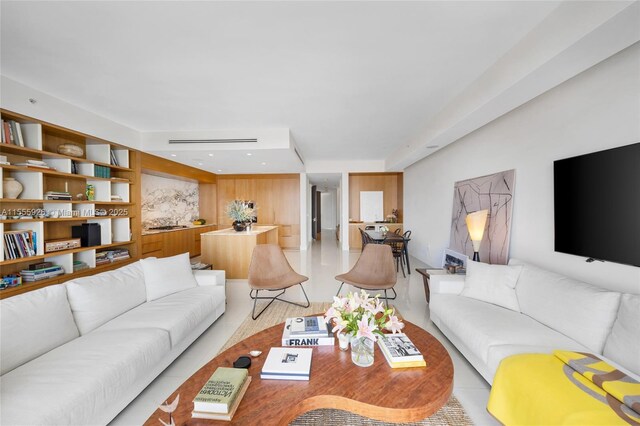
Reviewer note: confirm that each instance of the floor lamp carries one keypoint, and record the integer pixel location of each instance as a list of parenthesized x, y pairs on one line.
[(475, 224)]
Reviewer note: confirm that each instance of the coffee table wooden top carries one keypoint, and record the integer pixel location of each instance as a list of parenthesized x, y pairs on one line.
[(378, 392)]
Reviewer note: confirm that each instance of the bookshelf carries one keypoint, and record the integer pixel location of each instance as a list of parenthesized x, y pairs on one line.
[(31, 211)]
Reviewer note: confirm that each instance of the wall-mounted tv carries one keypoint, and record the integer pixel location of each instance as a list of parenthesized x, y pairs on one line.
[(597, 205)]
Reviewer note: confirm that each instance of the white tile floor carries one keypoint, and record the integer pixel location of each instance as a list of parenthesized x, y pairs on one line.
[(321, 263)]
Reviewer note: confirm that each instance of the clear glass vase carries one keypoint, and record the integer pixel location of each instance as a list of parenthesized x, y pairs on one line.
[(362, 351)]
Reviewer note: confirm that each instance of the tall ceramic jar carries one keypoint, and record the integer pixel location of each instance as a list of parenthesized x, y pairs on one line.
[(11, 188)]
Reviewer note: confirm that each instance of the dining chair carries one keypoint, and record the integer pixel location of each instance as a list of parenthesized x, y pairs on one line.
[(373, 271), (397, 249), (407, 235), (269, 270), (397, 231)]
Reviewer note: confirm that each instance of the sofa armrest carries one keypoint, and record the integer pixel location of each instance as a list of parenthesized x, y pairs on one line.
[(443, 283), (205, 277)]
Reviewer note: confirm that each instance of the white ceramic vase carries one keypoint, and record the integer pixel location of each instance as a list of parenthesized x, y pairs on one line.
[(11, 188)]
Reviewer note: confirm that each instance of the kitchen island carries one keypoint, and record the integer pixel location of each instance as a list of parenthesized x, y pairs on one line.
[(231, 251)]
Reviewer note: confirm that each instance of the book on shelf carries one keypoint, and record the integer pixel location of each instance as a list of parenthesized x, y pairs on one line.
[(41, 274), (79, 265), (324, 339), (289, 363), (18, 244), (114, 159), (12, 133), (308, 326), (400, 352), (221, 390)]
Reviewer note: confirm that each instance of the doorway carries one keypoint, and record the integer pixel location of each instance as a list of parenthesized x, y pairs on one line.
[(325, 206)]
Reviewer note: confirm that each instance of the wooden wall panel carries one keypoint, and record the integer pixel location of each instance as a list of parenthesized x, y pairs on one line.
[(166, 168), (277, 198), (390, 183), (207, 203)]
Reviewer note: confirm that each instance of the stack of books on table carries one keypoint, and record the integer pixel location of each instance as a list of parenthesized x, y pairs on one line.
[(29, 275), (287, 364), (400, 352), (108, 256), (307, 331), (220, 397)]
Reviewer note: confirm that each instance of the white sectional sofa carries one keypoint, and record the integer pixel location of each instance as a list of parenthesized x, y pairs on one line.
[(78, 353), (550, 312)]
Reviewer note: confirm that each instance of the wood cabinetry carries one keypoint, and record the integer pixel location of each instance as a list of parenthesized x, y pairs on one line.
[(277, 198), (111, 169), (171, 243), (391, 184)]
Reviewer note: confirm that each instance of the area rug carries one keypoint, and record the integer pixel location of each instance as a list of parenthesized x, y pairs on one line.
[(452, 413)]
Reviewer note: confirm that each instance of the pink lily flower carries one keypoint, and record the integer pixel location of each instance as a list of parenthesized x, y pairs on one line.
[(330, 314), (394, 324), (340, 325), (365, 329), (375, 307)]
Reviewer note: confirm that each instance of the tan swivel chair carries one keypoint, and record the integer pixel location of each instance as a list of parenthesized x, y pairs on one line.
[(270, 271), (373, 271)]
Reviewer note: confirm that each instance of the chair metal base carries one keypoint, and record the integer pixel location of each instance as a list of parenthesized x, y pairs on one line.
[(386, 298), (273, 299)]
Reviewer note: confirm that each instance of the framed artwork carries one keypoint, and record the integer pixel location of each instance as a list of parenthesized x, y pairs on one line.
[(494, 193)]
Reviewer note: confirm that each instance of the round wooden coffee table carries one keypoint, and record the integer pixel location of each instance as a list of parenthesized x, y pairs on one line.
[(378, 392)]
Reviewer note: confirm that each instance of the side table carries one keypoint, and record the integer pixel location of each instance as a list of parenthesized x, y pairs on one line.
[(435, 277)]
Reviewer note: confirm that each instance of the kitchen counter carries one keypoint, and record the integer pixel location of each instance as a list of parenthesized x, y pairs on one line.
[(255, 230), (160, 231), (231, 251)]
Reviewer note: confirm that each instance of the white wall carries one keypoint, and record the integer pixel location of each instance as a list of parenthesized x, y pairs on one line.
[(328, 209), (595, 110), (15, 97)]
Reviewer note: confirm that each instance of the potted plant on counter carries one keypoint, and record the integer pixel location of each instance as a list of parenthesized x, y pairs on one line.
[(241, 214)]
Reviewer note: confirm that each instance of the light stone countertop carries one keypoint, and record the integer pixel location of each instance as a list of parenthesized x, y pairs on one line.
[(255, 230)]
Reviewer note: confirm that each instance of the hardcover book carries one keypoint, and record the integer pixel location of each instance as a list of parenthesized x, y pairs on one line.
[(220, 391), (319, 339), (307, 326), (228, 416), (287, 364), (399, 348)]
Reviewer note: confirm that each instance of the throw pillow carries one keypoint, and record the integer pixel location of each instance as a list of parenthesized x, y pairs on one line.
[(167, 275), (493, 284)]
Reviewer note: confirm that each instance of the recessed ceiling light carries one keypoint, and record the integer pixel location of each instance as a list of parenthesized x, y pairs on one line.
[(433, 146), (263, 163), (173, 155), (219, 170), (199, 164), (210, 155), (249, 154)]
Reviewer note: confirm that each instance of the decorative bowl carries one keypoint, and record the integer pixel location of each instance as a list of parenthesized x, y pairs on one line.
[(71, 150)]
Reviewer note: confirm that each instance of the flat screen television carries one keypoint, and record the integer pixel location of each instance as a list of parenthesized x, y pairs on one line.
[(597, 205)]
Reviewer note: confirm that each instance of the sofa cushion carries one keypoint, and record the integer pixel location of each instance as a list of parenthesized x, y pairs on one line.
[(583, 312), (75, 382), (492, 283), (177, 313), (167, 275), (99, 298), (32, 324), (481, 325), (623, 344)]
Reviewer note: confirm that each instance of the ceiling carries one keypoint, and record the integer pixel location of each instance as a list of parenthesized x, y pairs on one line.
[(325, 181), (350, 80)]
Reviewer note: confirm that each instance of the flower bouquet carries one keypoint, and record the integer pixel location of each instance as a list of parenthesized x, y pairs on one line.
[(362, 318)]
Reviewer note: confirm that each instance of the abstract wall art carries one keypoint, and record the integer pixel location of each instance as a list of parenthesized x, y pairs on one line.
[(168, 201), (494, 193)]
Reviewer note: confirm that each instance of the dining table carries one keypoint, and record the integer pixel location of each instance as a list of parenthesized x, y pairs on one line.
[(389, 237)]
